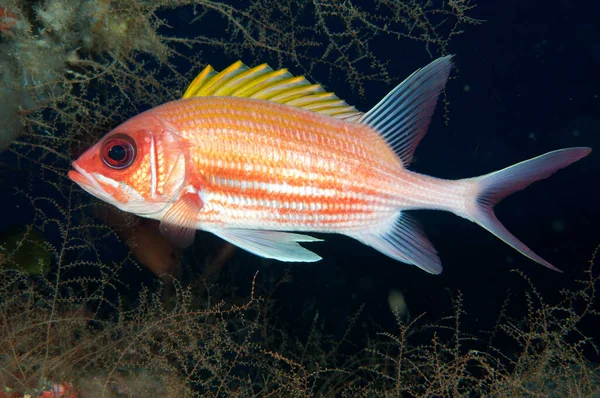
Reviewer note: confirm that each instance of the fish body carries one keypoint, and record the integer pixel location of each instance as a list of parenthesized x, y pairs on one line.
[(248, 168), (262, 165)]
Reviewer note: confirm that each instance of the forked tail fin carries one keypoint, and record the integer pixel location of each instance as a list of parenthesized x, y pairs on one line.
[(491, 188)]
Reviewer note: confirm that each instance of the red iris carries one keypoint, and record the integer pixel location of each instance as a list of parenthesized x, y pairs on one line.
[(118, 151)]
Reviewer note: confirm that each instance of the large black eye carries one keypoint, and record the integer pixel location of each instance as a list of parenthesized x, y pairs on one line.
[(118, 151)]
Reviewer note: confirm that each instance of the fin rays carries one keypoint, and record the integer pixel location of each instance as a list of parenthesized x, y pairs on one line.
[(492, 188), (282, 246), (403, 116), (262, 82), (404, 241)]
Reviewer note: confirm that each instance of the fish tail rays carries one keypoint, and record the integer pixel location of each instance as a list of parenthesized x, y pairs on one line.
[(490, 189)]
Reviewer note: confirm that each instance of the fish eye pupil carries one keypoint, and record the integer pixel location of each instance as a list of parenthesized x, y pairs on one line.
[(117, 153)]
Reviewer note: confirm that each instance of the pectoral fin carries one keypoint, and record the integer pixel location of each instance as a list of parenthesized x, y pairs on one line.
[(282, 246), (179, 222)]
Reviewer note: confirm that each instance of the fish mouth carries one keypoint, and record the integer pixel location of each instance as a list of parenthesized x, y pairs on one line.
[(87, 181), (78, 176)]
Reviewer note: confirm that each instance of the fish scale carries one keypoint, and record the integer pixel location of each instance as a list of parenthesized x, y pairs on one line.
[(238, 141)]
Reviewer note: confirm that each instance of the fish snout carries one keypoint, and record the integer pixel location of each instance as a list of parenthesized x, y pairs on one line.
[(75, 175), (87, 182), (79, 176)]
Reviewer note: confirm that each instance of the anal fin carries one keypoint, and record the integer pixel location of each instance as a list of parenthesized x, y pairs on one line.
[(282, 246), (404, 241)]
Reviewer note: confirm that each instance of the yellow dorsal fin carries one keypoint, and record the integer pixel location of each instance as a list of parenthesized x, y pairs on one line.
[(200, 80), (263, 82)]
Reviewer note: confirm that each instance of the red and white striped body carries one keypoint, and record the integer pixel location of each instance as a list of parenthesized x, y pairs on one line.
[(263, 165)]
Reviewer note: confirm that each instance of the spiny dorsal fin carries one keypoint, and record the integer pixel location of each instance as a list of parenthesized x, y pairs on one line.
[(263, 82)]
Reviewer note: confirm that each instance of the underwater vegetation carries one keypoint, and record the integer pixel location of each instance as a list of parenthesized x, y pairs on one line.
[(93, 303)]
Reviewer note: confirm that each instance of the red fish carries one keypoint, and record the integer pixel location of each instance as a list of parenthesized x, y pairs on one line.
[(249, 154)]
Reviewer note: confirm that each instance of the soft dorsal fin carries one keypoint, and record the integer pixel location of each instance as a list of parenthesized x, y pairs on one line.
[(403, 116), (262, 82)]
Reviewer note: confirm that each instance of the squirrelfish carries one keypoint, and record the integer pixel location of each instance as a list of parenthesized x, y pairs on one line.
[(257, 156)]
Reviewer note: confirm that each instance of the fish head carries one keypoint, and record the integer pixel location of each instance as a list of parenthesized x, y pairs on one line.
[(139, 167)]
